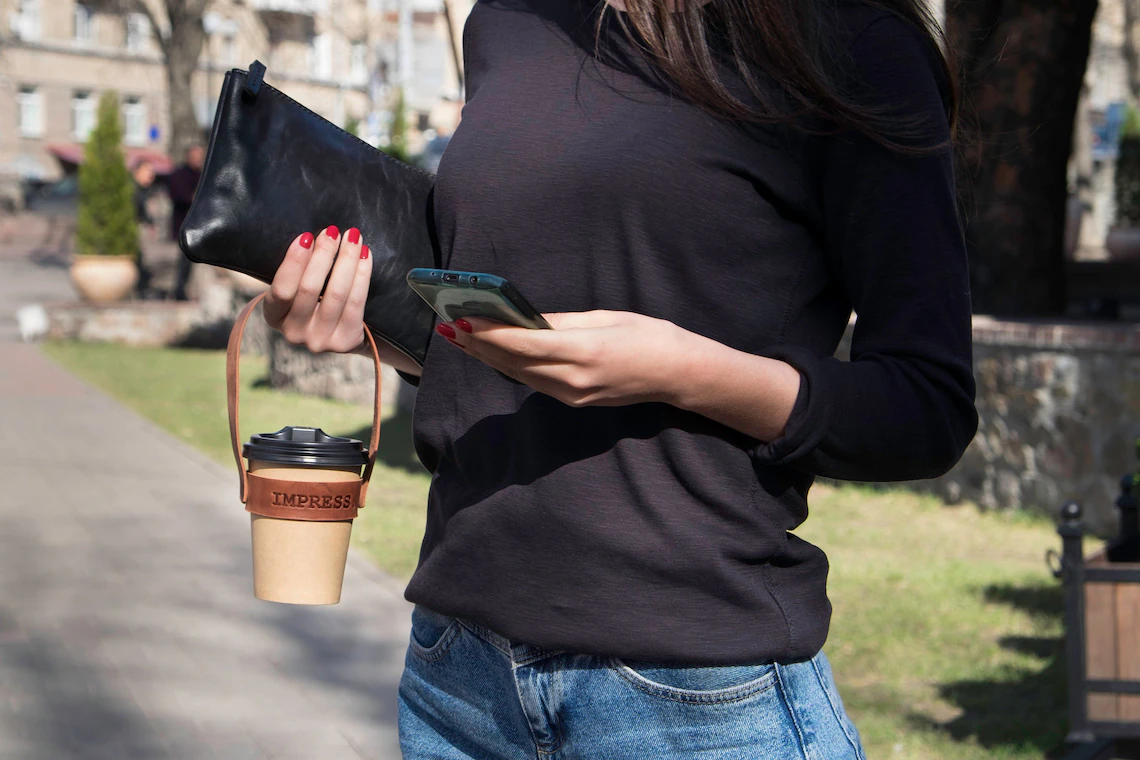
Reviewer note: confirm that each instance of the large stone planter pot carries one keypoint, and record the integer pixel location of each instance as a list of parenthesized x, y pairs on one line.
[(104, 279), (1123, 243)]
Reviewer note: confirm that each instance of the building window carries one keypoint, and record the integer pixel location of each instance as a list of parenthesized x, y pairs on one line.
[(423, 120), (82, 115), (204, 110), (138, 32), (322, 56), (83, 26), (30, 106), (26, 22), (358, 69), (134, 121)]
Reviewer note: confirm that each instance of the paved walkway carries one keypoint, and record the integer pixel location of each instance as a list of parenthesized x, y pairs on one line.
[(128, 628)]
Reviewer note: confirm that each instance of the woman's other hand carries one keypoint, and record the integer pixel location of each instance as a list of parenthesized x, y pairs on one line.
[(591, 358), (613, 358), (295, 306)]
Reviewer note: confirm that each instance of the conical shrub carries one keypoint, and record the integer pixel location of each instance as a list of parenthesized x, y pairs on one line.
[(106, 224)]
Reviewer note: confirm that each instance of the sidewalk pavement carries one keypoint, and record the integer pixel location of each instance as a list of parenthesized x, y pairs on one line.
[(128, 627)]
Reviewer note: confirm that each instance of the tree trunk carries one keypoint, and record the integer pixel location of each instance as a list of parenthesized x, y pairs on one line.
[(1130, 53), (177, 25), (182, 49), (456, 57), (1022, 66)]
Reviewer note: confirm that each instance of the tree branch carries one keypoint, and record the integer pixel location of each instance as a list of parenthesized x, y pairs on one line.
[(134, 6), (163, 40)]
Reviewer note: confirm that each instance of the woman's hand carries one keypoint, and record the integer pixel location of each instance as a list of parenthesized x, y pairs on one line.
[(295, 306), (592, 358), (614, 358)]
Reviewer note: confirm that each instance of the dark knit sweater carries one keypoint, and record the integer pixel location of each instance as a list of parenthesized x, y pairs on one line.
[(645, 531)]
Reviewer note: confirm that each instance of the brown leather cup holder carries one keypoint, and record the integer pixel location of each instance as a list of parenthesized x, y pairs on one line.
[(313, 500)]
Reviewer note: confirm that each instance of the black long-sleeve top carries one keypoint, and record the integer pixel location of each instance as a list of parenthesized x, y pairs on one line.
[(646, 531)]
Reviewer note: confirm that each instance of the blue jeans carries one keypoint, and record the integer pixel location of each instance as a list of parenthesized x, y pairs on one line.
[(468, 693)]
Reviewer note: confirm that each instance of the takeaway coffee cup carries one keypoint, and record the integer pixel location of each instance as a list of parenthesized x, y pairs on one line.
[(302, 488), (303, 492)]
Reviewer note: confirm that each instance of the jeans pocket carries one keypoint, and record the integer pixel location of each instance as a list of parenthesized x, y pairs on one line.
[(432, 633), (697, 685)]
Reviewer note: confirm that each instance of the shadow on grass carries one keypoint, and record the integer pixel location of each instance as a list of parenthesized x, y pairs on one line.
[(1019, 708), (1041, 600), (396, 449)]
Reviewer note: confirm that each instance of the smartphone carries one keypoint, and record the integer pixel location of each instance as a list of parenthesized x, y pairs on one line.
[(453, 295)]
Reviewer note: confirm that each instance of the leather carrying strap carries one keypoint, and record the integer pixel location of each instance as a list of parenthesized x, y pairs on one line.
[(233, 356), (299, 500)]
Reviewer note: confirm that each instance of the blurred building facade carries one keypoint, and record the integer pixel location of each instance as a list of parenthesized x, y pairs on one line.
[(342, 58), (1109, 89)]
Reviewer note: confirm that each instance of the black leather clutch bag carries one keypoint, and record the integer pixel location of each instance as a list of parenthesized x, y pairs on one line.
[(275, 169)]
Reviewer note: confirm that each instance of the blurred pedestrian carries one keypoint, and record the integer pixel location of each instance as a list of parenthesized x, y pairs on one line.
[(144, 187), (181, 186)]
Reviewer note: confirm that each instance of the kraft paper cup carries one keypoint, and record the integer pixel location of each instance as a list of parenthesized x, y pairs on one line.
[(302, 487), (300, 561)]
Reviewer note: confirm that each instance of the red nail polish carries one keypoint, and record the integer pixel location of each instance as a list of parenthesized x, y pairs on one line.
[(354, 236), (332, 231), (306, 241), (463, 325), (457, 345), (363, 251), (446, 331)]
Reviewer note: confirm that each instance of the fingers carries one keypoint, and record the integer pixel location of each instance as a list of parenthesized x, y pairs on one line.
[(559, 376), (518, 351), (311, 284), (496, 339), (339, 284), (318, 293), (349, 330), (288, 276)]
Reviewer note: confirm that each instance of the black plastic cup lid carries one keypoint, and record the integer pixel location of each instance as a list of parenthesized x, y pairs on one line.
[(305, 447)]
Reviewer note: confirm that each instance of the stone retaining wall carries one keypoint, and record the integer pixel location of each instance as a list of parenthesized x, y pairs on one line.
[(1059, 408), (204, 323), (132, 323)]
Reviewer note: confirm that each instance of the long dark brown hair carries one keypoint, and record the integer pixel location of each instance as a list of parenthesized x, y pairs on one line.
[(792, 42)]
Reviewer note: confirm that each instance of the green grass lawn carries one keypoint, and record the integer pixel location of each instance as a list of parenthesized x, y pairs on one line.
[(946, 636)]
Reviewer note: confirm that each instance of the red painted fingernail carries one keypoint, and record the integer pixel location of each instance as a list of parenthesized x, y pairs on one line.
[(354, 236), (306, 240), (446, 331), (463, 325), (332, 231), (457, 345), (363, 251)]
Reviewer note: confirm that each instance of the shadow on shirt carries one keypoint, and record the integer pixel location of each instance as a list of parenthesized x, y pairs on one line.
[(689, 454)]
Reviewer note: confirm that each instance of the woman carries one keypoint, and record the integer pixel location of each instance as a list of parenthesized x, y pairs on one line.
[(699, 196)]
